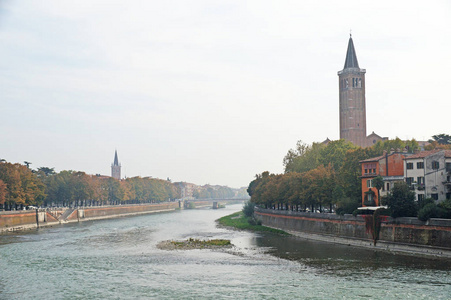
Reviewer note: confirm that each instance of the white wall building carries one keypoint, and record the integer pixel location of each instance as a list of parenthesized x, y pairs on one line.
[(429, 172)]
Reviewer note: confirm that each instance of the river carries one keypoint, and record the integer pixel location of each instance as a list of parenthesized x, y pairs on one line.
[(118, 259)]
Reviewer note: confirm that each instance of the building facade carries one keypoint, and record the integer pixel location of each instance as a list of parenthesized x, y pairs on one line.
[(352, 104), (116, 168), (389, 166), (429, 174)]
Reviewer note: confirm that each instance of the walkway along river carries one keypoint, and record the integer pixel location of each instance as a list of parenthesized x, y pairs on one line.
[(118, 259)]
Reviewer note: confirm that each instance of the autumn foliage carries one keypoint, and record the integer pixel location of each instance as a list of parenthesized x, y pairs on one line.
[(319, 176), (21, 187)]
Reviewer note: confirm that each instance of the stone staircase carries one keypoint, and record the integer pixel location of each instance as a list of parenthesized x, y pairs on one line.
[(66, 214)]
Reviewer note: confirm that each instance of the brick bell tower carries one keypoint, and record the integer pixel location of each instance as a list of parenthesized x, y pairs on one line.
[(352, 99)]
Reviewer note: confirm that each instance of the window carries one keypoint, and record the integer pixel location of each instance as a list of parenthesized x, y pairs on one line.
[(448, 195), (409, 180), (420, 197), (369, 183), (448, 167), (388, 186), (374, 171), (409, 166), (434, 196), (435, 165), (366, 171), (370, 197), (420, 180), (420, 165)]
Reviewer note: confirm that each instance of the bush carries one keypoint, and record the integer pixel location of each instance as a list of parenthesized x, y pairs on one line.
[(254, 221), (401, 201), (424, 202), (346, 206), (248, 209), (445, 208), (429, 211)]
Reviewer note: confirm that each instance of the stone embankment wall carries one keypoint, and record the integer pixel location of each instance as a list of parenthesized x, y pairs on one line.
[(22, 220), (435, 233)]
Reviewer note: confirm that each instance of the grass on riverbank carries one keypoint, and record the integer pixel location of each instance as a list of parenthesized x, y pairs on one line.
[(240, 221)]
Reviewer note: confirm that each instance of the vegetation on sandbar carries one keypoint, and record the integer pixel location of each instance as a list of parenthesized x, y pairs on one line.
[(191, 244)]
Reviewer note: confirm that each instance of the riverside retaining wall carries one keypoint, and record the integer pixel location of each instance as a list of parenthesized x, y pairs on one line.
[(22, 220), (434, 233)]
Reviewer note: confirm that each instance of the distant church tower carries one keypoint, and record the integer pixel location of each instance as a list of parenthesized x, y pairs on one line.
[(352, 99), (116, 168)]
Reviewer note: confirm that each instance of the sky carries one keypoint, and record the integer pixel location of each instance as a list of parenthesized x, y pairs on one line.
[(210, 92)]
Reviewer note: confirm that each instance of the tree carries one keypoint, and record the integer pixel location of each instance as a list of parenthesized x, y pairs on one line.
[(442, 139), (2, 192), (23, 187), (378, 183), (46, 171), (401, 201), (304, 158)]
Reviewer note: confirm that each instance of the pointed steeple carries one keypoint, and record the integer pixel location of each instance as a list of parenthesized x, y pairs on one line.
[(351, 57), (116, 161)]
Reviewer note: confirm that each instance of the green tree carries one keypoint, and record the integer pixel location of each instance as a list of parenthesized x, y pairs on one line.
[(401, 201), (304, 158), (45, 171), (378, 183), (442, 139)]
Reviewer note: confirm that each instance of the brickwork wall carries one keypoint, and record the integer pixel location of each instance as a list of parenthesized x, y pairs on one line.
[(436, 233), (17, 218)]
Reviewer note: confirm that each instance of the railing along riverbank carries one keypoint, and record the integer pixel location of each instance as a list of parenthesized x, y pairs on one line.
[(31, 219)]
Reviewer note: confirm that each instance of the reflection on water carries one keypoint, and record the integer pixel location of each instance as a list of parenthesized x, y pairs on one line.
[(118, 259)]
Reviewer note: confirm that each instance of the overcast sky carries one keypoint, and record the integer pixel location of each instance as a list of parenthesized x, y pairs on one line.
[(210, 91)]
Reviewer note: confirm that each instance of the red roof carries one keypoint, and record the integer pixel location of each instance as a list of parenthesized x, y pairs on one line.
[(424, 154), (373, 159)]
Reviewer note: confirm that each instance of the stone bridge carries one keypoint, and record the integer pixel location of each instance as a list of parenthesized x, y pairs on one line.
[(214, 203)]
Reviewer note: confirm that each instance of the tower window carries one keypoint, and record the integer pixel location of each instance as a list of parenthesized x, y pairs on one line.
[(360, 83), (347, 84)]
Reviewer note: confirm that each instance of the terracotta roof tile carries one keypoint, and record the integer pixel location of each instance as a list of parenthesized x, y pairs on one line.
[(372, 159), (423, 154)]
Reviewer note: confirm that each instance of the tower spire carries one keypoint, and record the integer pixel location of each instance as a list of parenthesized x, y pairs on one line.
[(116, 167), (351, 57), (116, 161)]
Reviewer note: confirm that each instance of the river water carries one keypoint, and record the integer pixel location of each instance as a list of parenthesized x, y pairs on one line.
[(118, 259)]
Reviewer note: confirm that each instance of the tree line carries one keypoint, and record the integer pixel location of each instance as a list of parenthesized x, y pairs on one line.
[(214, 192), (320, 176), (20, 187)]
